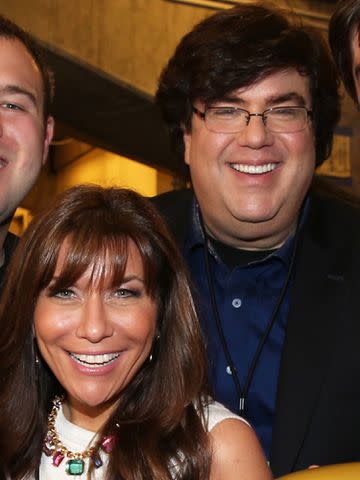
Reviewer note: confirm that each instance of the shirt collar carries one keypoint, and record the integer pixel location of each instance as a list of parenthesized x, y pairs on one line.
[(195, 235)]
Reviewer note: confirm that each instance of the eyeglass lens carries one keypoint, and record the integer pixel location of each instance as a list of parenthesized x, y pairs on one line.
[(233, 120)]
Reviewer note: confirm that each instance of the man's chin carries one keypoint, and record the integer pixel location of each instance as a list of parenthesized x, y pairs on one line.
[(255, 216)]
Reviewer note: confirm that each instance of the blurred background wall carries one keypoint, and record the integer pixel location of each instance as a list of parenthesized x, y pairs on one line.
[(108, 131)]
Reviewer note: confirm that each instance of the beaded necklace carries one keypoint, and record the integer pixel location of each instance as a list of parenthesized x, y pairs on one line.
[(53, 447)]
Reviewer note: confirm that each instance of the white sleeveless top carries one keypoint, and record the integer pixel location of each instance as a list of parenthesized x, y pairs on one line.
[(78, 439)]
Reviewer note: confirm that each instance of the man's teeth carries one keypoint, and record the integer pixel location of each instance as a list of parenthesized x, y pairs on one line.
[(3, 163), (254, 169), (94, 360)]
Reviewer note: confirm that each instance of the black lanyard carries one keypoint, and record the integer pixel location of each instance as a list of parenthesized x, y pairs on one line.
[(243, 392)]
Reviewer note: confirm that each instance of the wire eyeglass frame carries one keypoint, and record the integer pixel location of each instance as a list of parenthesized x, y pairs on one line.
[(285, 126)]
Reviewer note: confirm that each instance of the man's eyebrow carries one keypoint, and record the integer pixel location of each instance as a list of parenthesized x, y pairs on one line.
[(230, 99), (15, 89), (273, 99), (286, 97)]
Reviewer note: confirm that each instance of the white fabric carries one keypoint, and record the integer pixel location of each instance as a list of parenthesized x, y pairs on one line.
[(217, 413), (78, 439)]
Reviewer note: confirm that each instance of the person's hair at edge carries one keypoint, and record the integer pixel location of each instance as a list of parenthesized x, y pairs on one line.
[(157, 418), (343, 23), (238, 47), (11, 31)]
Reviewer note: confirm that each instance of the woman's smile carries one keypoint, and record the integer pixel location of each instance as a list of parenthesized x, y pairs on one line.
[(93, 336)]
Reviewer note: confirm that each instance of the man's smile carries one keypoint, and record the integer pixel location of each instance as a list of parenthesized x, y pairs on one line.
[(253, 169)]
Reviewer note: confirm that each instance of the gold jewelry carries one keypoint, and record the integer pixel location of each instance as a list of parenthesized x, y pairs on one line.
[(53, 447)]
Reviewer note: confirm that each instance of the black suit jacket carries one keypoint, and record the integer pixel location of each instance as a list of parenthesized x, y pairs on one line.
[(11, 241), (317, 416)]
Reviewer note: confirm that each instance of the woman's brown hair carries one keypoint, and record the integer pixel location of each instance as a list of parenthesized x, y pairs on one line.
[(159, 424)]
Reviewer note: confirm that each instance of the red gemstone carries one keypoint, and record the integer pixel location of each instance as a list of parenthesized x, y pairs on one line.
[(58, 458), (108, 443)]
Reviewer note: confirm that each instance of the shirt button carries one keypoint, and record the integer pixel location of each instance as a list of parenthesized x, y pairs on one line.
[(236, 303), (228, 370)]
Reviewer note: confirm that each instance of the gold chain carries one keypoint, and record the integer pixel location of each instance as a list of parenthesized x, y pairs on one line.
[(53, 437)]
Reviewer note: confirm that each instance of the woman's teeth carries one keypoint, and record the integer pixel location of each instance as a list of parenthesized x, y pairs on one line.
[(94, 360)]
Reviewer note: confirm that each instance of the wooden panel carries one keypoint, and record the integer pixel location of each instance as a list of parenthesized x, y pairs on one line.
[(130, 39)]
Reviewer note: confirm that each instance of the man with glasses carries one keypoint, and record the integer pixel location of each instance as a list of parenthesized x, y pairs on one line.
[(251, 101), (344, 38)]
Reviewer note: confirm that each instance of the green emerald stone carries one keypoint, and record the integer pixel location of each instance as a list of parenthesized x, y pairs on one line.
[(75, 466)]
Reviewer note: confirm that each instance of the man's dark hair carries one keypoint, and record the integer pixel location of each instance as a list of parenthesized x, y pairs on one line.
[(343, 23), (11, 31), (238, 47)]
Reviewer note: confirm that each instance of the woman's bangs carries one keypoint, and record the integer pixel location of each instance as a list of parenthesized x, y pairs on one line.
[(104, 257), (152, 264)]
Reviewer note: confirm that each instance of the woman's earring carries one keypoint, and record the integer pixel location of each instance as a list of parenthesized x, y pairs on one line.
[(35, 353), (154, 348)]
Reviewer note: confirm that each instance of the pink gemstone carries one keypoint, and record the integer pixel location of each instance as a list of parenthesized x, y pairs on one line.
[(48, 451), (58, 458), (108, 443)]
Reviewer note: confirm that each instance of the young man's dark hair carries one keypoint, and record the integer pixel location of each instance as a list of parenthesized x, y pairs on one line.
[(243, 46), (10, 30)]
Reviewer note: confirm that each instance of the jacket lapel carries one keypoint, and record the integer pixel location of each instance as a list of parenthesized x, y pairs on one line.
[(175, 207), (317, 303)]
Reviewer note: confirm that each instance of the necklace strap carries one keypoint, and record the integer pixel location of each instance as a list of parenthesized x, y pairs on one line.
[(243, 392)]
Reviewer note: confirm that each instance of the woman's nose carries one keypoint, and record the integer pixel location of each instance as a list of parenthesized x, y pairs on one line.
[(95, 323)]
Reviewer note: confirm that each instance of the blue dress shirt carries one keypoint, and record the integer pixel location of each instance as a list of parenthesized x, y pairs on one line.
[(246, 296)]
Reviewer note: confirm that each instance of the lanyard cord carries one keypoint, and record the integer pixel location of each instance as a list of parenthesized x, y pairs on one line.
[(243, 393)]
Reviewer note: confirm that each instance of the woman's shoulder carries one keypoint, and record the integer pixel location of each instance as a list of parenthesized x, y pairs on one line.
[(237, 453), (216, 413)]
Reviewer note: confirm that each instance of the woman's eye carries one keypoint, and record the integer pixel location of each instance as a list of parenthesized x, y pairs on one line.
[(64, 293), (126, 293)]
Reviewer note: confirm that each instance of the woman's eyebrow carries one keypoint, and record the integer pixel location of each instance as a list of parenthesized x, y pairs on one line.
[(129, 278)]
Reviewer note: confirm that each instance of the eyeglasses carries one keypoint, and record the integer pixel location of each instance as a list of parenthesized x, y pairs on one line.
[(234, 120)]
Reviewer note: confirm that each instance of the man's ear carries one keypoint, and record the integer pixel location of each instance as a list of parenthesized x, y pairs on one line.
[(187, 145), (49, 133)]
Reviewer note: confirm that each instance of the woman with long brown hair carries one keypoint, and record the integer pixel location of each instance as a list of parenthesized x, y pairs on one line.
[(101, 359)]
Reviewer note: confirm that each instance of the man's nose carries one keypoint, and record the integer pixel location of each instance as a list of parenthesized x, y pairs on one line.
[(255, 134)]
